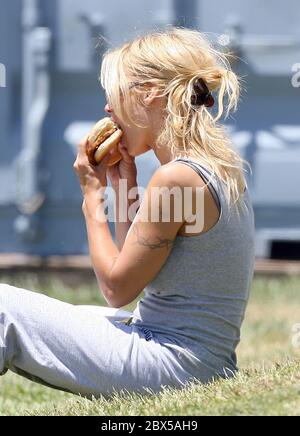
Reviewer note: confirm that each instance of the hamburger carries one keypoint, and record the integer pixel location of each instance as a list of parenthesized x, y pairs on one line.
[(104, 137)]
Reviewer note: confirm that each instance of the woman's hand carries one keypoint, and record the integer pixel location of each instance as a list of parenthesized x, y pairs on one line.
[(124, 169), (92, 178)]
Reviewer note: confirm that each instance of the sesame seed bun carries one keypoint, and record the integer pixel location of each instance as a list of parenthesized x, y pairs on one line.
[(104, 137)]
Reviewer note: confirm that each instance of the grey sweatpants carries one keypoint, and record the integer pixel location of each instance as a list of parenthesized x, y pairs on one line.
[(77, 349)]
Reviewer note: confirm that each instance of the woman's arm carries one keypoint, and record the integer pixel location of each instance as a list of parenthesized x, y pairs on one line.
[(123, 176), (102, 249), (121, 226), (122, 275)]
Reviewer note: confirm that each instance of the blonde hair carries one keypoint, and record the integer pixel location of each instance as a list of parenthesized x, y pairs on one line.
[(172, 60)]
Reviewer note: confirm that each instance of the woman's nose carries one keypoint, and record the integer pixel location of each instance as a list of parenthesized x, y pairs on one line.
[(108, 109)]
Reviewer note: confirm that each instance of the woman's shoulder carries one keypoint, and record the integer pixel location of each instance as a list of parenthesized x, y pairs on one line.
[(175, 174), (185, 176)]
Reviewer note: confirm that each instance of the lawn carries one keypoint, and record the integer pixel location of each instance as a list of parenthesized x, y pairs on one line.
[(268, 383)]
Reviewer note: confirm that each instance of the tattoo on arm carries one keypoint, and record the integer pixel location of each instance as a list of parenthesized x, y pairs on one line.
[(152, 245)]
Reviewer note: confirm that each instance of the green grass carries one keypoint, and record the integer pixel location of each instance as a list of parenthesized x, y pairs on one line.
[(268, 383)]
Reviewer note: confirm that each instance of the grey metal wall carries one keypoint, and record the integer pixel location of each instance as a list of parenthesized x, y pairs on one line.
[(53, 96)]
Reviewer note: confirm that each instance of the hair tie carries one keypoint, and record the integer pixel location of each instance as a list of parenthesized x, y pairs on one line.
[(202, 95)]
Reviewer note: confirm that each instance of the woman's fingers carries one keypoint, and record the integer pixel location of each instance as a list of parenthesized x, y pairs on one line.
[(83, 144), (81, 158), (124, 153)]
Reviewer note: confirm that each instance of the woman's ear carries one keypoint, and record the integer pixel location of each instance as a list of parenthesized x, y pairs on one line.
[(151, 95)]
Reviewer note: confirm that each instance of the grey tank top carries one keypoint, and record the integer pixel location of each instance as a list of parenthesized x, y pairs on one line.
[(196, 303)]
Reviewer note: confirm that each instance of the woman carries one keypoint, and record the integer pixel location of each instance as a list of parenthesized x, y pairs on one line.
[(196, 278)]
